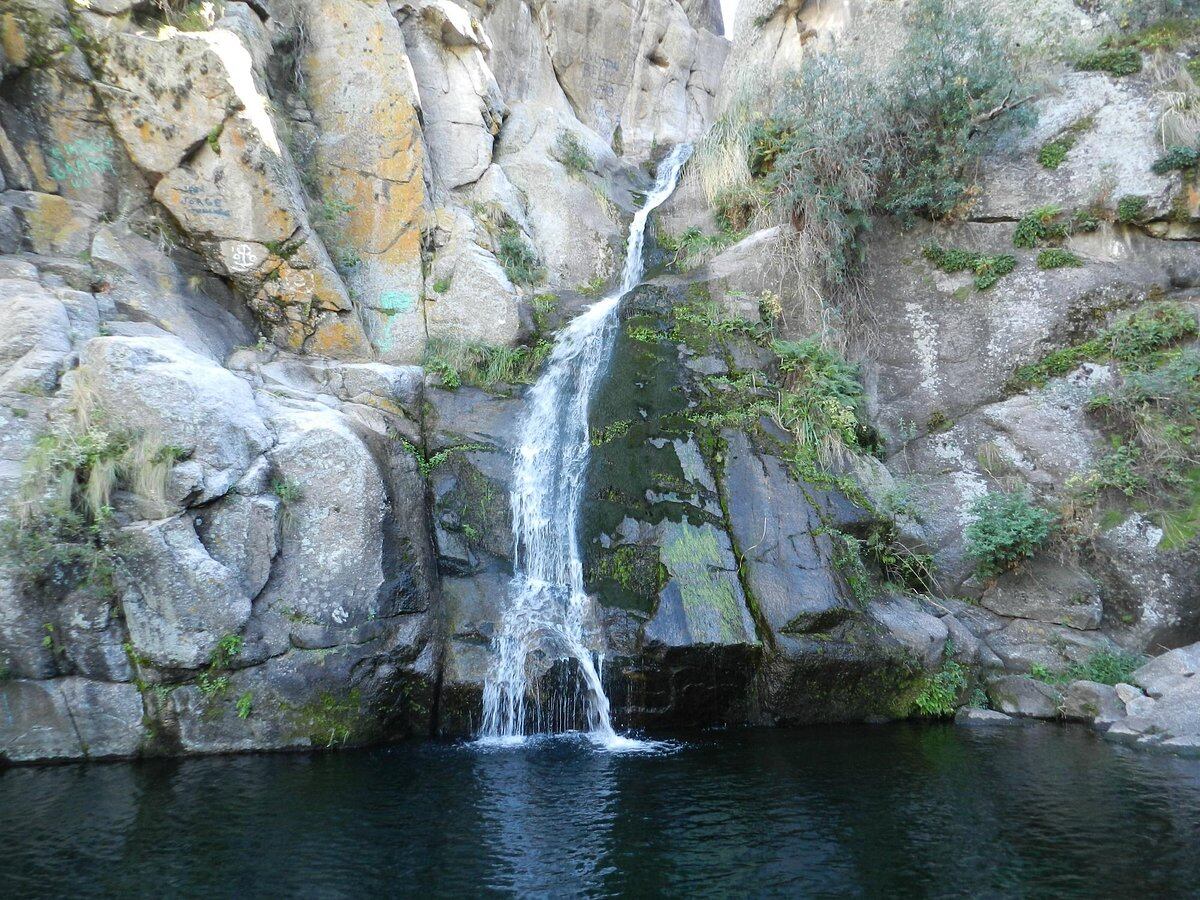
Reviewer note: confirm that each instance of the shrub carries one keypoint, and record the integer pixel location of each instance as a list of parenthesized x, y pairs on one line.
[(837, 147), (987, 269), (1007, 530), (520, 262), (1119, 62), (939, 697), (1138, 334), (458, 362), (1130, 208), (572, 154), (1057, 258), (952, 79), (1107, 667), (1039, 226), (62, 536), (1177, 159)]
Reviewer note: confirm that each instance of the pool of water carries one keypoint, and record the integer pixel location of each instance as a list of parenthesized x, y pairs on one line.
[(898, 810)]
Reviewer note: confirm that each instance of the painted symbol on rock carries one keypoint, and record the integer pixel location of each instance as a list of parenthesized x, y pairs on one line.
[(243, 258), (393, 303), (79, 162)]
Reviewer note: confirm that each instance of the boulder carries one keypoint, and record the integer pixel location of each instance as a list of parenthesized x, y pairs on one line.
[(1169, 672), (159, 387), (1020, 696), (1047, 592), (179, 601), (329, 570), (69, 718), (1088, 701), (967, 715), (786, 553), (921, 634), (35, 337)]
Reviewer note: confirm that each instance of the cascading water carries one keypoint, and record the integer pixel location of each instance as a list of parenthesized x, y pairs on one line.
[(548, 607)]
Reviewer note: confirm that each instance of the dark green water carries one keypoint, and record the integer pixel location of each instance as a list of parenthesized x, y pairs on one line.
[(889, 811)]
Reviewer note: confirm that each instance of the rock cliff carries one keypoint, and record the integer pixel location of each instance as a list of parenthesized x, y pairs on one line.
[(273, 275)]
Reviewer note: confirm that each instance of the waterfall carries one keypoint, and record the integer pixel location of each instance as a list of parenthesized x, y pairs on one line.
[(547, 607)]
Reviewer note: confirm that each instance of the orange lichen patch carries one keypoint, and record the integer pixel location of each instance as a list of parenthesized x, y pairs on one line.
[(12, 38), (339, 337), (54, 227)]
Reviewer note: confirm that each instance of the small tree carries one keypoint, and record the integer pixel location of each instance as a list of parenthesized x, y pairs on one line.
[(1008, 529)]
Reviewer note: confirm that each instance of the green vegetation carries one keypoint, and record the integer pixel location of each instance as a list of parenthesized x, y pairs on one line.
[(637, 570), (1040, 226), (1054, 153), (1057, 258), (213, 681), (456, 362), (1007, 530), (843, 143), (427, 464), (1118, 62), (244, 705), (214, 138), (573, 155), (1131, 208), (62, 535), (1177, 159), (1104, 667), (611, 432), (694, 246), (1134, 338), (544, 307), (329, 719), (939, 696), (520, 262), (441, 285), (287, 491), (988, 270)]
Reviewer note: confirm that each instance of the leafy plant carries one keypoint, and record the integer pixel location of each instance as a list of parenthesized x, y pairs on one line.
[(1040, 226), (1131, 208), (520, 262), (988, 270), (939, 697), (1177, 159), (287, 491), (1118, 62), (1057, 258), (1006, 530), (244, 705), (456, 362), (572, 154)]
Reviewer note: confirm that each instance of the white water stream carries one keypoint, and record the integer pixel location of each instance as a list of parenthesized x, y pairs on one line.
[(547, 607)]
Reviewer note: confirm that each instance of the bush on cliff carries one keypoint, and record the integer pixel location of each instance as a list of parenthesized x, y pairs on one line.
[(841, 144), (1007, 530)]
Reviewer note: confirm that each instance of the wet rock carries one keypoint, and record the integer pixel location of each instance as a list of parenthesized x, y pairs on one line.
[(702, 602), (787, 554), (69, 718), (967, 715)]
